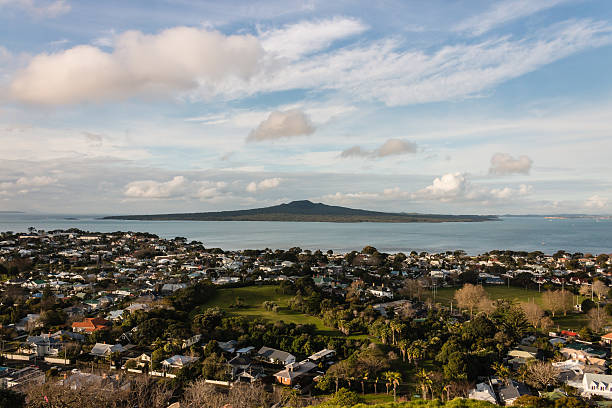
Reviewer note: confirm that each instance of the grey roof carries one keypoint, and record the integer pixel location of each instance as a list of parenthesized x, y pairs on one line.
[(273, 354)]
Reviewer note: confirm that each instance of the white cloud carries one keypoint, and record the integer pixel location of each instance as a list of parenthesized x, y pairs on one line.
[(37, 8), (266, 184), (391, 147), (156, 189), (26, 184), (179, 187), (281, 125), (296, 40), (504, 164), (386, 71), (458, 187), (502, 13), (596, 202), (176, 59)]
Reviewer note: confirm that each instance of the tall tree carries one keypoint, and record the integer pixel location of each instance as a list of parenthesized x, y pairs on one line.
[(470, 296)]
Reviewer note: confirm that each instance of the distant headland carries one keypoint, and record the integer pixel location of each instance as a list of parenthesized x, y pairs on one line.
[(307, 211)]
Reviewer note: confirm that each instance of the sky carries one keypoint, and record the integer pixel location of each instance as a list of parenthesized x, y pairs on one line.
[(445, 106)]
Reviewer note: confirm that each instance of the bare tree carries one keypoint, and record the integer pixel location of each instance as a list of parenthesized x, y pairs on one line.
[(597, 319), (557, 301), (533, 313), (541, 374), (487, 306), (600, 289), (470, 297)]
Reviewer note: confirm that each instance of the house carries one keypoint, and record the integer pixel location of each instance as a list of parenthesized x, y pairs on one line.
[(510, 392), (178, 361), (607, 338), (380, 291), (42, 345), (228, 346), (191, 341), (294, 372), (584, 353), (597, 384), (483, 392), (103, 349), (90, 325), (276, 356), (322, 356)]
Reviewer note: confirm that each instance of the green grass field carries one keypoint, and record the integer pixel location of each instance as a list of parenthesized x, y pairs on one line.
[(253, 297), (572, 321), (445, 295)]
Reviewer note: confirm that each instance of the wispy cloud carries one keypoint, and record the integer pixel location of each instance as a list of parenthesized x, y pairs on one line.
[(39, 8), (504, 12)]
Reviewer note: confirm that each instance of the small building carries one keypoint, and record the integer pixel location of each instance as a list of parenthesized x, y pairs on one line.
[(483, 392), (178, 361), (276, 356), (322, 356), (104, 350), (294, 372), (510, 392), (90, 325)]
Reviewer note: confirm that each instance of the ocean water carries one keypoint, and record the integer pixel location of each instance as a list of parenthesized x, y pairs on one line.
[(513, 233)]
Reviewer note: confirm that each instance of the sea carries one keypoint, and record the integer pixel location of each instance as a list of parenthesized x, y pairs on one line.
[(529, 233)]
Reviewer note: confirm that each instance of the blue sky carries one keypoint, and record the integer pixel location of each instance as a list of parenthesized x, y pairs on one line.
[(437, 106)]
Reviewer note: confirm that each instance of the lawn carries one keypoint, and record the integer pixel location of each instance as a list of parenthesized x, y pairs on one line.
[(445, 295), (252, 297)]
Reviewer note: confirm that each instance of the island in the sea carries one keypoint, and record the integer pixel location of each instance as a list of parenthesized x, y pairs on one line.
[(307, 211)]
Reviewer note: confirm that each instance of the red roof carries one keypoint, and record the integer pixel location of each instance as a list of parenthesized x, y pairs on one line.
[(92, 324)]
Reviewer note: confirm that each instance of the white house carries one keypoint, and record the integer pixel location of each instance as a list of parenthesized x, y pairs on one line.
[(597, 384)]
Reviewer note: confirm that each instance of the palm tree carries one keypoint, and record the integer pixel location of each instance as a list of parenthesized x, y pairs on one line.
[(425, 381), (364, 378), (502, 371), (403, 346), (376, 385), (393, 378)]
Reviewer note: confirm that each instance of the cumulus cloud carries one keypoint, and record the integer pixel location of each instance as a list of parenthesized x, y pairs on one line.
[(279, 125), (38, 8), (295, 40), (458, 187), (596, 202), (176, 59), (177, 187), (156, 189), (391, 147), (266, 184), (451, 187), (503, 164)]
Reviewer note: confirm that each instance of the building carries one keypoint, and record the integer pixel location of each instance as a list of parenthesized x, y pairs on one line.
[(276, 356), (294, 372), (597, 384), (103, 350), (510, 392), (483, 392), (90, 325), (178, 361)]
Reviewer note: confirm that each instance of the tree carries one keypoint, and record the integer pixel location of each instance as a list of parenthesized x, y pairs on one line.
[(600, 289), (541, 374), (393, 378), (12, 399), (533, 313), (470, 296), (597, 319), (556, 301), (424, 380)]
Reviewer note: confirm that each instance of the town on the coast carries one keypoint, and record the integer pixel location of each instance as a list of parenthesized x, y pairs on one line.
[(128, 319)]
